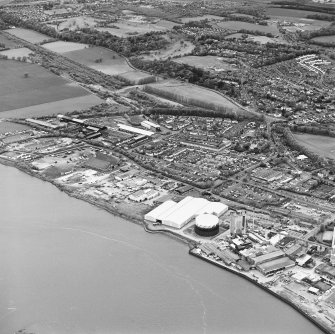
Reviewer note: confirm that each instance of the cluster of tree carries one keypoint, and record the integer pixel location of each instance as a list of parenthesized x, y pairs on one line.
[(198, 24), (315, 130), (321, 17), (126, 46), (226, 82), (292, 142), (308, 7), (200, 112)]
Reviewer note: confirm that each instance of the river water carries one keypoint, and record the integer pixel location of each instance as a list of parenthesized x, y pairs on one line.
[(69, 267)]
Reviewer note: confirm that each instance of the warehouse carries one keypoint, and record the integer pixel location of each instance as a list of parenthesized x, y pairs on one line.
[(132, 129), (271, 267), (178, 214)]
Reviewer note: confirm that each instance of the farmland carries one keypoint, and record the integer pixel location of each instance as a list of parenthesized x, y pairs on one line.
[(174, 49), (200, 18), (28, 85), (260, 39), (190, 94), (325, 39), (322, 145), (75, 23), (127, 28), (16, 53), (111, 63), (28, 35), (286, 12), (206, 62), (62, 47), (7, 42), (238, 25), (137, 77)]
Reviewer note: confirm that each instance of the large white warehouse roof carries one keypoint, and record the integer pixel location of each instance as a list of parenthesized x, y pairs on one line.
[(178, 214), (135, 130)]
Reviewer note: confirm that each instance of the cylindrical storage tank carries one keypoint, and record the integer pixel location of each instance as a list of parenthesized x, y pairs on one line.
[(206, 225)]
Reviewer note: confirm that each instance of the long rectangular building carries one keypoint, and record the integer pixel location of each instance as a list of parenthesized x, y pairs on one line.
[(179, 214), (132, 129)]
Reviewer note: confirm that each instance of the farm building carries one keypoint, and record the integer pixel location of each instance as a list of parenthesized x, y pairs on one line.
[(179, 214)]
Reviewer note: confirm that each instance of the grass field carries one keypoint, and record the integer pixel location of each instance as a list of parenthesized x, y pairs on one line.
[(40, 87), (54, 108), (19, 52), (206, 62), (260, 39), (286, 12), (190, 94), (126, 28), (28, 35), (325, 39), (8, 42), (111, 64), (12, 127), (62, 47), (79, 22), (137, 77), (200, 18), (322, 145), (237, 25)]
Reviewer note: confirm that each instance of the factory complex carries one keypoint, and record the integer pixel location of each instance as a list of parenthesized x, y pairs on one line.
[(179, 214)]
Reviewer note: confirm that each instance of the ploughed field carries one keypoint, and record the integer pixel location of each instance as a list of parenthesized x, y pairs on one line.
[(30, 85), (192, 95), (322, 145)]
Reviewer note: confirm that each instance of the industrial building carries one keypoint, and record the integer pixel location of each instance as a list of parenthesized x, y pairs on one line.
[(127, 128), (149, 125), (206, 225), (271, 267), (332, 255), (179, 214)]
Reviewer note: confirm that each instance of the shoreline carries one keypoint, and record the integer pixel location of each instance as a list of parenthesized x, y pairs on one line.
[(170, 234)]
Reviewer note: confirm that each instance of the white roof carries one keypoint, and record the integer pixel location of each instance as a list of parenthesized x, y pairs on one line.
[(177, 214), (206, 220), (159, 211), (135, 130), (151, 124)]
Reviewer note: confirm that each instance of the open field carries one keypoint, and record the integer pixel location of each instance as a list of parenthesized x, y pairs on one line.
[(7, 42), (54, 108), (260, 39), (111, 63), (128, 28), (12, 127), (325, 39), (28, 35), (286, 12), (74, 23), (238, 25), (190, 94), (62, 47), (137, 77), (206, 62), (172, 50), (200, 18), (322, 145), (40, 86), (15, 53)]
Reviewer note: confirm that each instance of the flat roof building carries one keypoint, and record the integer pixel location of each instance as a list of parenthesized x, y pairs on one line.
[(132, 129), (179, 214)]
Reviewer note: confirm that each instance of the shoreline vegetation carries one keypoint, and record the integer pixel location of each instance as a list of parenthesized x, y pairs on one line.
[(175, 236)]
